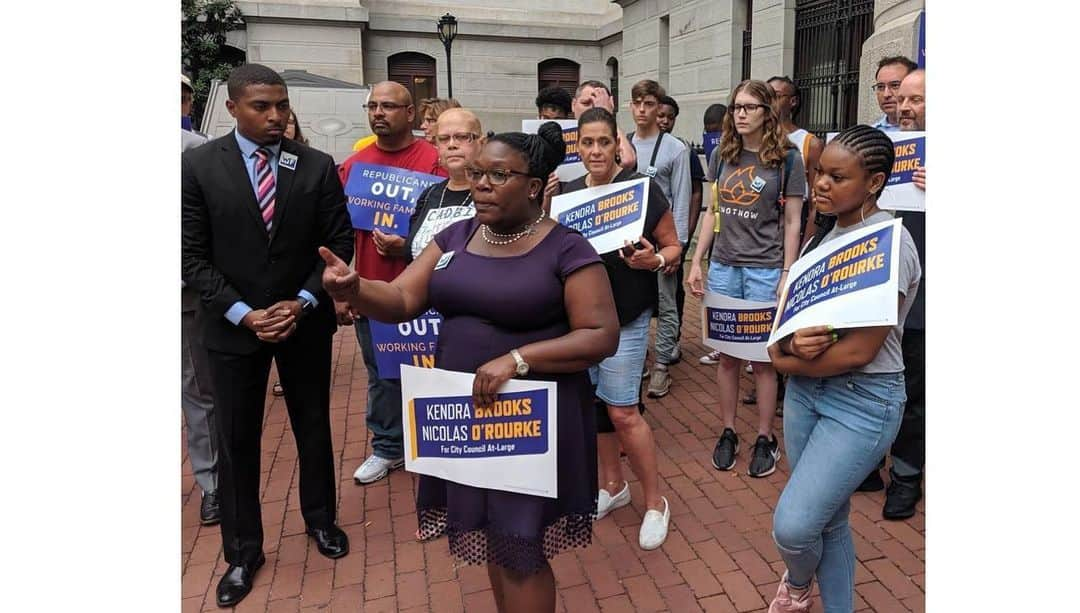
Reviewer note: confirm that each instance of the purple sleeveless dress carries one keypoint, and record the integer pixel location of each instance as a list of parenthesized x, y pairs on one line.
[(491, 305)]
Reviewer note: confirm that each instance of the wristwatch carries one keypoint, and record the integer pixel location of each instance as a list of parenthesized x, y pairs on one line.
[(522, 366), (306, 306)]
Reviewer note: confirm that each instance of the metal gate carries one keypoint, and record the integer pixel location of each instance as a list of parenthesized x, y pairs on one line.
[(829, 35)]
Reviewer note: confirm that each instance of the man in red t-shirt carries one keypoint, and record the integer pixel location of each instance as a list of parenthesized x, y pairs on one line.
[(382, 256)]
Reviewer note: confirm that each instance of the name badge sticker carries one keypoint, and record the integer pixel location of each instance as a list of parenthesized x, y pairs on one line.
[(444, 261), (758, 184), (288, 160)]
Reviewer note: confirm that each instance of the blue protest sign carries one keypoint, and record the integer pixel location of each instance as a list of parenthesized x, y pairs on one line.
[(510, 445), (383, 197), (410, 342), (710, 141), (735, 327), (605, 215), (451, 427), (847, 282), (922, 40)]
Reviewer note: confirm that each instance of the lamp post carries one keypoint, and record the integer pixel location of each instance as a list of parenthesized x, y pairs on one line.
[(447, 27)]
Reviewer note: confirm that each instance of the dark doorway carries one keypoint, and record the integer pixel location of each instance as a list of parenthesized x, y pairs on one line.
[(416, 72)]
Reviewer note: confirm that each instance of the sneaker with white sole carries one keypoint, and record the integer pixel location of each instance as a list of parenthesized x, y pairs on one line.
[(375, 468), (654, 527), (660, 382), (606, 503), (710, 359), (766, 453), (791, 600)]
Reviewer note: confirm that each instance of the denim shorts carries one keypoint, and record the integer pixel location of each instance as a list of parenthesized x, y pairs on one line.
[(756, 284), (618, 378)]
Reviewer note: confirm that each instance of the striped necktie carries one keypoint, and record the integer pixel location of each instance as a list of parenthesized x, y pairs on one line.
[(266, 189)]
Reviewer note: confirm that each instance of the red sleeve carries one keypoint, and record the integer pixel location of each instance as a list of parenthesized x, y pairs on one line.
[(343, 170)]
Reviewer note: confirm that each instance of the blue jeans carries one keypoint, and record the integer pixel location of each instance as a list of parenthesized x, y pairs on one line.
[(743, 282), (618, 378), (383, 401), (836, 430)]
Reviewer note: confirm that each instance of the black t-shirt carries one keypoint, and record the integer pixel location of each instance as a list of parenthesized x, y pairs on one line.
[(634, 290), (697, 173), (436, 196), (915, 222)]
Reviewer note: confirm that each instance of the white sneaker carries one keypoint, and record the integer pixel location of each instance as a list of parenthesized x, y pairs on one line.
[(606, 503), (654, 527), (710, 359), (375, 468)]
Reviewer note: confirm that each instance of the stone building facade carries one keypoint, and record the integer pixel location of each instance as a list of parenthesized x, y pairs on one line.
[(694, 48)]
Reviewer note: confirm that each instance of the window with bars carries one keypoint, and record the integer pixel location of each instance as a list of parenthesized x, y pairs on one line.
[(747, 39), (829, 35), (613, 80)]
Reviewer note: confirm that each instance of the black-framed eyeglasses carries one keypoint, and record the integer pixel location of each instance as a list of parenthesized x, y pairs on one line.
[(386, 106), (749, 108), (496, 176), (461, 137), (891, 85)]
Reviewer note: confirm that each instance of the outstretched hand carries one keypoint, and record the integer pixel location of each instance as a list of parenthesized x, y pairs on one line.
[(340, 281)]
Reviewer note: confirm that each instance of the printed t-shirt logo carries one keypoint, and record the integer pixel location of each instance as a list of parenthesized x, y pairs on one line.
[(736, 188)]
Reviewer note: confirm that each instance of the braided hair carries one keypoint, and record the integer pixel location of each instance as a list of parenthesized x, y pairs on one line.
[(874, 149), (543, 151)]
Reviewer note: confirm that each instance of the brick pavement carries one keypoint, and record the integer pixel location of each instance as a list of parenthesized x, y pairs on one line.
[(719, 556)]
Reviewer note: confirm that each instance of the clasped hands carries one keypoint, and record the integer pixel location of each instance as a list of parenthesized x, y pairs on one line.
[(275, 323)]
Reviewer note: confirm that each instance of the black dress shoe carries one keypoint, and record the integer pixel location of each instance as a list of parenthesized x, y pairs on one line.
[(236, 582), (903, 494), (872, 483), (210, 509), (331, 541)]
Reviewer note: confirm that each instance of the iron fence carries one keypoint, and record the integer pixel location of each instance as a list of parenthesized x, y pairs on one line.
[(829, 35)]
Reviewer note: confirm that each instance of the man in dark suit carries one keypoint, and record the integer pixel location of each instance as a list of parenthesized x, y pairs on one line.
[(256, 207)]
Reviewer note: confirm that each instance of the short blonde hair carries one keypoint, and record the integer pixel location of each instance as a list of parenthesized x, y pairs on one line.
[(437, 106)]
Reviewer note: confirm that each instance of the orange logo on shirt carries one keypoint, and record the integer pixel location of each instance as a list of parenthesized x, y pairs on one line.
[(736, 188)]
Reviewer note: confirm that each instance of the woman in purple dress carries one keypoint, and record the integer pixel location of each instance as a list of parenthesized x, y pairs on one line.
[(518, 293)]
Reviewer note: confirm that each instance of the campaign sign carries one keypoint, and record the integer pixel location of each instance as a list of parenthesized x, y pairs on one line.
[(710, 141), (848, 282), (922, 39), (900, 192), (735, 327), (605, 215), (383, 198), (407, 343), (571, 168), (508, 446)]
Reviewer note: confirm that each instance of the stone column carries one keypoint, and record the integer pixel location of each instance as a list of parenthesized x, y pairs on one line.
[(773, 41)]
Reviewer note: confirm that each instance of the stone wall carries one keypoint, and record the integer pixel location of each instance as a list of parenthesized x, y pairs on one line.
[(496, 78), (320, 37), (896, 32)]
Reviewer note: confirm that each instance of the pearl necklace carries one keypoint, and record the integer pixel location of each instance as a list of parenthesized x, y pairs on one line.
[(505, 239)]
